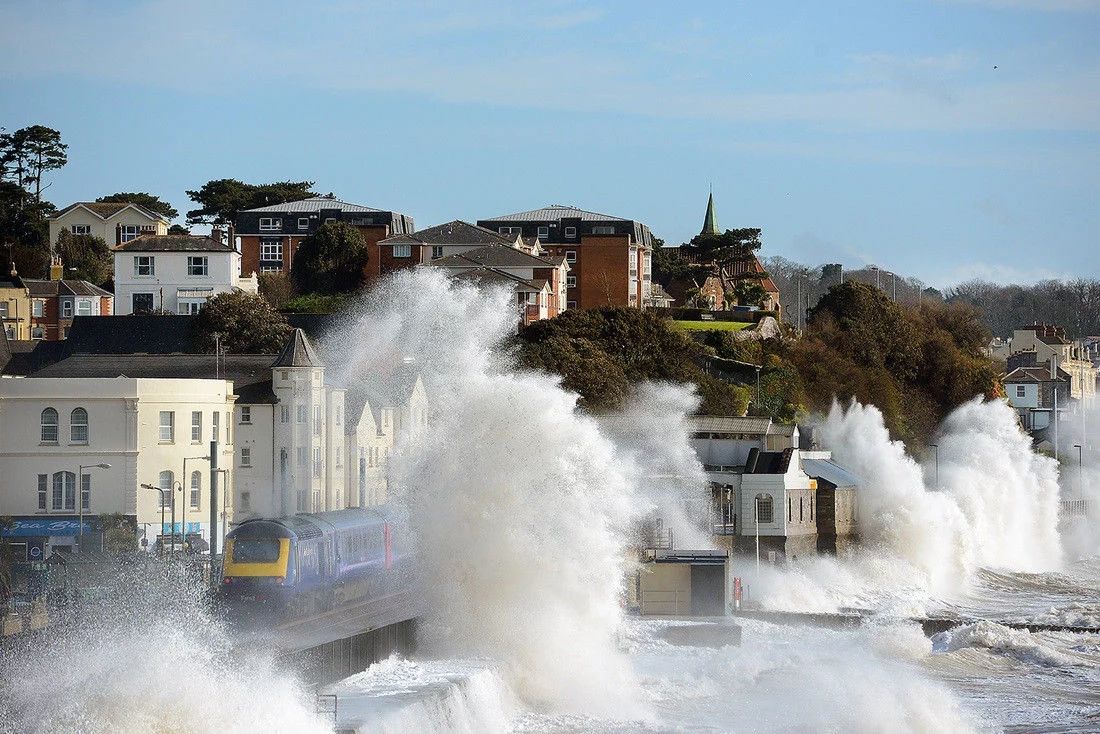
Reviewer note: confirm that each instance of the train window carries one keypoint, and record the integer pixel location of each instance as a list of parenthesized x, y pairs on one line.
[(255, 550)]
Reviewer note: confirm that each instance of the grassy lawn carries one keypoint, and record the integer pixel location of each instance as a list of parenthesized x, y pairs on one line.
[(712, 325)]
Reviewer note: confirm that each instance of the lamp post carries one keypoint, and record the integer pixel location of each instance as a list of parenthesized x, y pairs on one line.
[(937, 448), (756, 518), (80, 501), (185, 498), (162, 506), (1080, 467)]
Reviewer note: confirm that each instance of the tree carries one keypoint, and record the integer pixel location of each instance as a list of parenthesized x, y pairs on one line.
[(28, 153), (316, 303), (24, 230), (732, 246), (246, 322), (86, 256), (178, 229), (276, 288), (119, 533), (220, 200), (749, 292), (150, 202), (668, 266), (331, 260)]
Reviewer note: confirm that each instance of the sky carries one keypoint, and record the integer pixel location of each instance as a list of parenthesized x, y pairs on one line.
[(942, 139)]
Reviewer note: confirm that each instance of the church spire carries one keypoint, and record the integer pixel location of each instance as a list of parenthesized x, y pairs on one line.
[(710, 222)]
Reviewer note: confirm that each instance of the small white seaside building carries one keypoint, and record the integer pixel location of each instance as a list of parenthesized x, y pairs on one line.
[(176, 273)]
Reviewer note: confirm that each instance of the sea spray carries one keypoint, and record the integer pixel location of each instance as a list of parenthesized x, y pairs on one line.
[(523, 508)]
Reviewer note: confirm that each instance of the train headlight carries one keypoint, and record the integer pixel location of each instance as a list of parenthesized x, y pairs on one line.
[(227, 580)]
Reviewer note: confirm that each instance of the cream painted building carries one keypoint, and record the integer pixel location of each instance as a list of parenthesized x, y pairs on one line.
[(1040, 343), (142, 428), (15, 308), (115, 223)]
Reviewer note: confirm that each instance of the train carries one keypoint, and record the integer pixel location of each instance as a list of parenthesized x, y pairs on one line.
[(309, 563)]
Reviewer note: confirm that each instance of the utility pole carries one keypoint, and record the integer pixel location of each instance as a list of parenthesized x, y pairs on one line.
[(214, 507)]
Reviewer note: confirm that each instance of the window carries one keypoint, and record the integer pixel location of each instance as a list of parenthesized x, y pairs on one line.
[(37, 332), (303, 222), (603, 229), (570, 304), (271, 250), (317, 462), (284, 414), (402, 251), (215, 424), (166, 482), (1021, 391), (167, 426), (571, 256), (84, 307), (571, 233), (330, 220), (246, 501), (317, 420), (3, 309), (86, 492), (246, 456), (196, 426), (196, 488), (270, 223), (271, 267), (43, 490), (246, 414), (64, 490), (437, 252), (144, 266), (570, 281), (303, 456), (38, 308), (67, 308), (764, 508), (128, 232), (789, 506), (81, 229), (78, 426), (544, 232), (49, 426), (141, 302), (302, 414), (197, 265), (509, 230), (189, 308)]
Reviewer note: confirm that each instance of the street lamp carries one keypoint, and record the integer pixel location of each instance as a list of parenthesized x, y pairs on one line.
[(937, 448), (80, 500), (163, 504)]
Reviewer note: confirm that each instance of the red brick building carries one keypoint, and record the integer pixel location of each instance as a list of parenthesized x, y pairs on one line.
[(609, 257), (55, 302), (269, 235)]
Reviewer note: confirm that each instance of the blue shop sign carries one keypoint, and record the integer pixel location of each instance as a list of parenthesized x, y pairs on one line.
[(60, 525)]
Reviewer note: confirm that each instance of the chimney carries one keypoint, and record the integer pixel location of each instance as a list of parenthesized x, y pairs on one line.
[(57, 270), (13, 271), (216, 234)]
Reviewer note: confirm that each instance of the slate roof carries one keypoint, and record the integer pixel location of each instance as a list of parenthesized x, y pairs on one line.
[(314, 204), (458, 233), (830, 471), (173, 243), (50, 288), (298, 352), (768, 462), (1033, 374), (492, 276), (11, 281), (380, 391), (730, 424), (493, 256), (250, 373), (106, 210), (553, 213)]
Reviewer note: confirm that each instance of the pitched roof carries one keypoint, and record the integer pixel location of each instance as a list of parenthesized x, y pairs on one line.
[(49, 288), (314, 204), (730, 424), (553, 213), (493, 256), (1034, 374), (173, 243), (459, 233), (830, 471), (492, 276), (107, 209), (8, 280), (298, 352)]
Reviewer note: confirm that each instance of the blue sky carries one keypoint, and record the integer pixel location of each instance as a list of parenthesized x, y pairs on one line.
[(860, 132)]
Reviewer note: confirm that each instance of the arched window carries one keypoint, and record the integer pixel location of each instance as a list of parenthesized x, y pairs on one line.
[(167, 479), (78, 426), (196, 488), (64, 490), (764, 508), (49, 426)]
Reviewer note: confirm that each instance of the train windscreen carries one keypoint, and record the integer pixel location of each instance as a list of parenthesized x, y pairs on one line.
[(255, 550)]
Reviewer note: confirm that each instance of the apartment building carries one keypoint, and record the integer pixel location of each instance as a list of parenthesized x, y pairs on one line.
[(404, 251), (609, 257)]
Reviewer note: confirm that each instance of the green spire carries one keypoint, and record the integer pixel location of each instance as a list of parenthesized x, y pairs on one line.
[(710, 222)]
